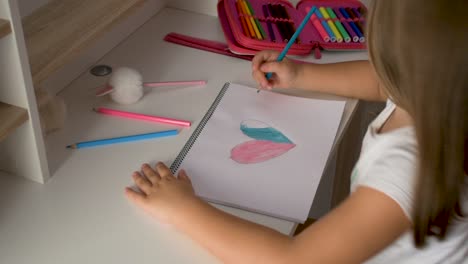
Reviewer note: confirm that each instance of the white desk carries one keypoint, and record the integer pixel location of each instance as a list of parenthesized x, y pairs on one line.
[(81, 215)]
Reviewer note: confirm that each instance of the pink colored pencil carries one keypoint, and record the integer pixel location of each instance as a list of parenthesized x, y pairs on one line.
[(103, 90), (157, 119), (315, 20), (174, 83)]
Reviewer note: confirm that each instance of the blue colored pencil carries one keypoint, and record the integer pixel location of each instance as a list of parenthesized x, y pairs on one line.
[(293, 38), (108, 141)]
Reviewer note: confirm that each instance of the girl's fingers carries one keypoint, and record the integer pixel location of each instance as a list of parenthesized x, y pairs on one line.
[(163, 170), (259, 75), (261, 65), (258, 59), (273, 66), (136, 197), (150, 174), (183, 176), (142, 182), (260, 78), (263, 56)]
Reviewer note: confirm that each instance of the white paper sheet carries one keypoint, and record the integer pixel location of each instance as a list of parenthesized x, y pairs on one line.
[(283, 186)]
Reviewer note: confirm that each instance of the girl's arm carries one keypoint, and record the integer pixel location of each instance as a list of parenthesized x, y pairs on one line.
[(364, 224), (355, 79)]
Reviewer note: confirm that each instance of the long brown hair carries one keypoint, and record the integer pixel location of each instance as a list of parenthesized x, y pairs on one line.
[(419, 51)]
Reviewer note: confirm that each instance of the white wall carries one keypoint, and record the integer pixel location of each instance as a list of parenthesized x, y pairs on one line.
[(208, 7), (26, 7)]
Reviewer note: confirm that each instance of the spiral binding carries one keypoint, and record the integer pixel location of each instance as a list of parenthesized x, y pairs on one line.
[(175, 165)]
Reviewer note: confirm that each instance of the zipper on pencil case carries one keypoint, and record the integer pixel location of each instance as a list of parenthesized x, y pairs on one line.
[(316, 51), (218, 47), (317, 48), (203, 44)]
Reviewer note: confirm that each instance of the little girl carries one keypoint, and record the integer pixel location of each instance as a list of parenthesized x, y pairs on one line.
[(409, 191)]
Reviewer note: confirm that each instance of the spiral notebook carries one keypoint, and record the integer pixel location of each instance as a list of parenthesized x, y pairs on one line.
[(263, 152)]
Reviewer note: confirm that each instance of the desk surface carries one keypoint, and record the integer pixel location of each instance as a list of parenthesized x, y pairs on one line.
[(81, 214)]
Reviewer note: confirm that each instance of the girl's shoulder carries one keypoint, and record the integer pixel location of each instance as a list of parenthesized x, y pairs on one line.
[(390, 148), (388, 162)]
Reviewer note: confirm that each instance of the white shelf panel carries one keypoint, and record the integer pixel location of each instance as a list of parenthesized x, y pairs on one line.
[(11, 117), (58, 31)]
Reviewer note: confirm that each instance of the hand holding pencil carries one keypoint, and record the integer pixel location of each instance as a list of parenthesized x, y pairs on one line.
[(285, 72)]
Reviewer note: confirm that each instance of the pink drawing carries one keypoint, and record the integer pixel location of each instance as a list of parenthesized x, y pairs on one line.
[(255, 151), (268, 143)]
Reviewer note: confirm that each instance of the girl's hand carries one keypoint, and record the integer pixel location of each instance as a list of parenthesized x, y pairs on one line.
[(284, 72), (161, 194)]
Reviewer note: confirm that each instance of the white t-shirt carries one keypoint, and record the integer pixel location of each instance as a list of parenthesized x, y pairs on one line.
[(388, 163)]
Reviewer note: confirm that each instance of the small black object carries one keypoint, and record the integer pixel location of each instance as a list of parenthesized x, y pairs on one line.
[(101, 70)]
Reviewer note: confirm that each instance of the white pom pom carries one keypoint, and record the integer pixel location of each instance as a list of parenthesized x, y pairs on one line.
[(127, 84)]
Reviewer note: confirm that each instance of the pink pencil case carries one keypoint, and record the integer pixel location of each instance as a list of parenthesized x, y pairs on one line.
[(309, 40)]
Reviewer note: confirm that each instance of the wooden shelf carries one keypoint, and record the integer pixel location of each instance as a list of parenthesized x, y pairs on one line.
[(59, 30), (5, 28), (11, 117)]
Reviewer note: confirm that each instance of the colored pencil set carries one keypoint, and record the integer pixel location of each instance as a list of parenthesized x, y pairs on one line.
[(282, 20), (250, 24), (253, 25), (339, 24), (130, 138)]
